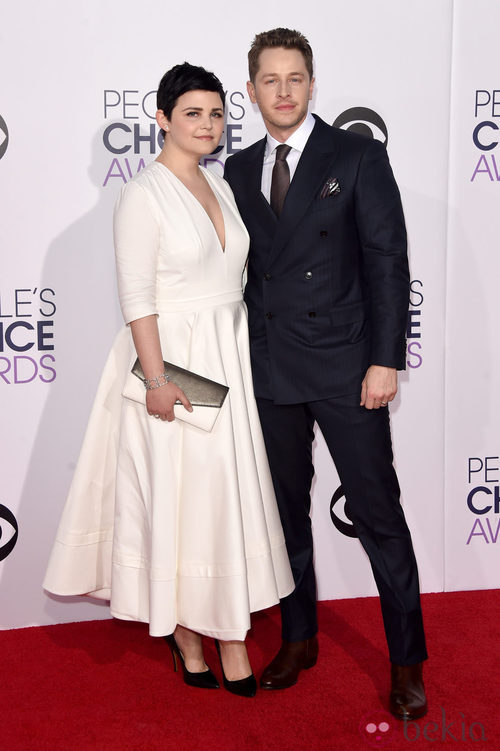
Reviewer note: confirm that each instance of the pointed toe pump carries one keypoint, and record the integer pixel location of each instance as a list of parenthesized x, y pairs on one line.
[(243, 687), (205, 679)]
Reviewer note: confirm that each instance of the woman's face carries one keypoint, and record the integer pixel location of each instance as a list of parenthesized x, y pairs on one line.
[(196, 123)]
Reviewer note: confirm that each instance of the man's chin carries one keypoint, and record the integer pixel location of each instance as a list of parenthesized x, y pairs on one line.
[(289, 123)]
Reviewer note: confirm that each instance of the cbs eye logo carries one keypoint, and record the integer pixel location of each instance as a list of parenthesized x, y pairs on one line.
[(8, 532), (4, 136), (339, 514), (365, 121)]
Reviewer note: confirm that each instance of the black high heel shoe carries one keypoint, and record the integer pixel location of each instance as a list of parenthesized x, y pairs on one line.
[(244, 686), (205, 679)]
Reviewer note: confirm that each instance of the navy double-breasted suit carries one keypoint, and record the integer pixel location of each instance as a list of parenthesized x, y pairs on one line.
[(327, 296)]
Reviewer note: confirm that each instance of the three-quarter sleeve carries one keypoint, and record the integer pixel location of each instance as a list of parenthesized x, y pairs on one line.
[(137, 237)]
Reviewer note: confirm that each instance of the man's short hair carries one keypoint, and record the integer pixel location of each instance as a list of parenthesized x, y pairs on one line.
[(287, 38)]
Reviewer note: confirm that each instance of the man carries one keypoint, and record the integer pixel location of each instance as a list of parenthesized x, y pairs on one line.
[(327, 297)]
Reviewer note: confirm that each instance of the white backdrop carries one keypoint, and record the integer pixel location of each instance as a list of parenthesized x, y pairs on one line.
[(77, 104), (473, 355)]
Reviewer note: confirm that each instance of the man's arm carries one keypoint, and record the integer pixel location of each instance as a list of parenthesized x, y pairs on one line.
[(382, 232), (381, 227)]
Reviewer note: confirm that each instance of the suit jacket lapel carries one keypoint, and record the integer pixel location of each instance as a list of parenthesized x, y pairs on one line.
[(312, 171), (259, 208)]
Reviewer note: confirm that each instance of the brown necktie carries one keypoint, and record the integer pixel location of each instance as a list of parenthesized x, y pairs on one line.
[(280, 181)]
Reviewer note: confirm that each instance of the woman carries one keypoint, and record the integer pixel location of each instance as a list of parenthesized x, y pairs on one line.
[(195, 533)]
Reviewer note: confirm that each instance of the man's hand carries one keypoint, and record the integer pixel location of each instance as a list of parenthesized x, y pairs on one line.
[(379, 386)]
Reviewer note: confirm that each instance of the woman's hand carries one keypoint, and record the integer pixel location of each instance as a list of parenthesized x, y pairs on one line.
[(160, 401)]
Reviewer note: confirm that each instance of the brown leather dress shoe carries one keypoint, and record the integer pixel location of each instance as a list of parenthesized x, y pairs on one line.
[(407, 700), (292, 657)]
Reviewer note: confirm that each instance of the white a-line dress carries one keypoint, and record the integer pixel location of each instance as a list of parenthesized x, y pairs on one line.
[(172, 523)]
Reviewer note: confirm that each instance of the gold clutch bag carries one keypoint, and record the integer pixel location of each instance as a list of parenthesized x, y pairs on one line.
[(206, 396)]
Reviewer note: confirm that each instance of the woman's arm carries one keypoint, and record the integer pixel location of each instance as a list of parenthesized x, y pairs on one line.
[(137, 238), (159, 401)]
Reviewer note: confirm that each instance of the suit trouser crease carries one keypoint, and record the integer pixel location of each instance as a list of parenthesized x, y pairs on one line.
[(359, 442)]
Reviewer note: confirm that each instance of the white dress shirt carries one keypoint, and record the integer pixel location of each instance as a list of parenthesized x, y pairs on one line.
[(297, 141)]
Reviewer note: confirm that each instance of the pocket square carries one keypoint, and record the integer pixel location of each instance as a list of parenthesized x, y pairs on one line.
[(330, 188)]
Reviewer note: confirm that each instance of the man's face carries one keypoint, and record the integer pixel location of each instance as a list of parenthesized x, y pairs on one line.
[(282, 90)]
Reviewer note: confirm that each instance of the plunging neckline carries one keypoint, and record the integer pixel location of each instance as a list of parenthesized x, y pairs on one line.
[(214, 192)]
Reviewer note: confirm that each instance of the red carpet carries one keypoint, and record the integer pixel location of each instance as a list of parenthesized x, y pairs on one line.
[(108, 685)]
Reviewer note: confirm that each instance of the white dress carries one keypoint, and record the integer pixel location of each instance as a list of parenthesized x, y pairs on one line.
[(172, 523)]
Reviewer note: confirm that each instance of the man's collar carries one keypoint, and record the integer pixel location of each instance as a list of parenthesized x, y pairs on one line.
[(297, 140)]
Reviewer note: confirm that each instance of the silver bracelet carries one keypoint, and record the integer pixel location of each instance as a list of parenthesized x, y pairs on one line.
[(155, 383)]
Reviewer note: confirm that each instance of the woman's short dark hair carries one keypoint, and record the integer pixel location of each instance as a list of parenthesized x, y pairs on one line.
[(182, 78)]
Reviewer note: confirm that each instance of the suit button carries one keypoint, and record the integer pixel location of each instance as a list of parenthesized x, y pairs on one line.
[(323, 233), (267, 277), (269, 315), (308, 275), (312, 314)]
